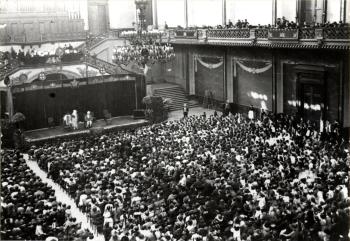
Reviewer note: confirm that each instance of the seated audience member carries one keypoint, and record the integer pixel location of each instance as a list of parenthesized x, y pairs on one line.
[(29, 206)]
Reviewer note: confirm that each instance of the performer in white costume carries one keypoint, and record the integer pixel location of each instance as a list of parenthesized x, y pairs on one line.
[(75, 120), (88, 119), (67, 120)]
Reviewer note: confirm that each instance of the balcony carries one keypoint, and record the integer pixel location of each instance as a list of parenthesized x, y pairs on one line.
[(42, 38), (336, 38)]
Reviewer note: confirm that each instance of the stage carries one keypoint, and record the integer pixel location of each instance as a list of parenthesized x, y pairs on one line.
[(115, 123)]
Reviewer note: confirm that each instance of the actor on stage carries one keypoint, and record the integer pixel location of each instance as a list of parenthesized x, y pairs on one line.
[(67, 120), (251, 112), (88, 119), (75, 120)]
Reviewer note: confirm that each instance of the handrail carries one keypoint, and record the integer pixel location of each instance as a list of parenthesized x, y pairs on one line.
[(107, 66)]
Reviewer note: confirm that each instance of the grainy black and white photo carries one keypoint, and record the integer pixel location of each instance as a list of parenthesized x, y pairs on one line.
[(175, 120)]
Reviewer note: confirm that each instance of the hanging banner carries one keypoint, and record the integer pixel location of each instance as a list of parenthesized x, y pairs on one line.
[(254, 67)]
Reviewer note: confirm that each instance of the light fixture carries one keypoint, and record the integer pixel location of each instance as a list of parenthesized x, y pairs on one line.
[(143, 46)]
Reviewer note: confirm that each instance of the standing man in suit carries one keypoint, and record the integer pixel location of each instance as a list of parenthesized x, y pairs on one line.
[(185, 110)]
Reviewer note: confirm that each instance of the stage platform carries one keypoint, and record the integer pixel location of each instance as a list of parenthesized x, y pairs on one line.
[(115, 123)]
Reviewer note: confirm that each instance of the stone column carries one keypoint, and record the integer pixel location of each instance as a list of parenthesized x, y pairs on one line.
[(186, 13), (229, 78), (155, 13), (223, 13)]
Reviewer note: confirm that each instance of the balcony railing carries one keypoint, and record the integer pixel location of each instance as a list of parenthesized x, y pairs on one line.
[(49, 37), (228, 33), (316, 37), (283, 34), (261, 33), (186, 33), (307, 33), (336, 33)]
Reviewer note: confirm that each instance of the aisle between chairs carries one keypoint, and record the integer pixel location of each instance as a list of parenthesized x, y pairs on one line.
[(63, 197)]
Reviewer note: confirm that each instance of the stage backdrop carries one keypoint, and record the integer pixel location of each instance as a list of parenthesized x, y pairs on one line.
[(118, 97)]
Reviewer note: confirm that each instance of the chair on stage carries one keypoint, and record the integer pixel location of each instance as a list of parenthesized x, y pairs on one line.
[(107, 116), (50, 122)]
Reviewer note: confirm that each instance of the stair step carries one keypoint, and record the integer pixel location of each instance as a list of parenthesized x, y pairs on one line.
[(177, 96)]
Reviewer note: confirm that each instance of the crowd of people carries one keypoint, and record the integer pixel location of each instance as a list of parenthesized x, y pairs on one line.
[(29, 209), (71, 121), (142, 52), (36, 56), (208, 178), (281, 23)]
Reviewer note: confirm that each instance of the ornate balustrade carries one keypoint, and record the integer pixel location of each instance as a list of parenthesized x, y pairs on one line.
[(337, 37), (307, 33), (280, 34), (106, 66), (336, 33), (228, 33), (186, 33), (261, 33)]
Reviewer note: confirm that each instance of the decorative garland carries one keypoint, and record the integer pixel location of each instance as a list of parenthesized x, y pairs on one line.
[(208, 65), (253, 70)]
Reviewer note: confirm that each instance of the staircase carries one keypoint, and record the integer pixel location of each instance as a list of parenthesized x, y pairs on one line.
[(176, 94)]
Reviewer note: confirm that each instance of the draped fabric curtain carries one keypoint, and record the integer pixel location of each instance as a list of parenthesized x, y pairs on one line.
[(117, 97), (254, 82), (209, 75)]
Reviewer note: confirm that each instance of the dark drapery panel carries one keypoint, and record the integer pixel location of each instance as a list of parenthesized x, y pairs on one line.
[(254, 88), (117, 97), (210, 79), (3, 101)]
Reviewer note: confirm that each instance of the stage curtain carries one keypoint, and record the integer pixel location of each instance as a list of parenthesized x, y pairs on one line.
[(117, 97), (209, 75)]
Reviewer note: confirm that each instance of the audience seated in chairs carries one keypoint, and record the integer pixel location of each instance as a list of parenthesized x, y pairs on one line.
[(217, 178), (29, 207)]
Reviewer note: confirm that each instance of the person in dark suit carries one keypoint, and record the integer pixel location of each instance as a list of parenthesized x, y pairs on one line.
[(227, 108), (185, 110)]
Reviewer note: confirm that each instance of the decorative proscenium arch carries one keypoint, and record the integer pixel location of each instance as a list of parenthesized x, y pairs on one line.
[(28, 75)]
